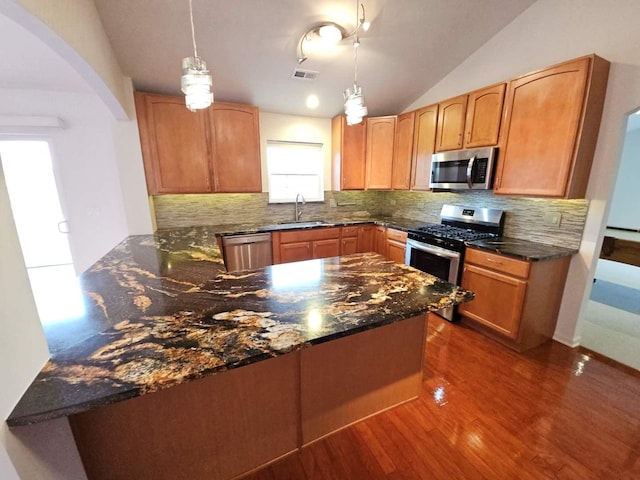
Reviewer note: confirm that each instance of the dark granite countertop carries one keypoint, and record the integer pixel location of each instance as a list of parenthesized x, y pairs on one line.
[(161, 310), (521, 249), (404, 224)]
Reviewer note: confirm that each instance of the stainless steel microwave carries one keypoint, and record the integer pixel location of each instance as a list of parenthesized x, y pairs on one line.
[(463, 169)]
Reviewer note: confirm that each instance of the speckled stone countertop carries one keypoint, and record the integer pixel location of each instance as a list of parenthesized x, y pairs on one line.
[(521, 249), (405, 224), (161, 310)]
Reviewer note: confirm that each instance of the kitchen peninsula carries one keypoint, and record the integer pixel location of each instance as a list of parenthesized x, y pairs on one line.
[(321, 343)]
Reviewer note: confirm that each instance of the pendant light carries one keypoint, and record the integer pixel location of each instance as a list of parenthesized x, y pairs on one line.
[(354, 107), (196, 80)]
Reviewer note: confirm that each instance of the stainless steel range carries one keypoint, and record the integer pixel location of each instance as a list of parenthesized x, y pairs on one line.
[(438, 248)]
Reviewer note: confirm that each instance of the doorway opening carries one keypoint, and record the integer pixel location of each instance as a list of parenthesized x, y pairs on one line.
[(42, 228), (612, 318)]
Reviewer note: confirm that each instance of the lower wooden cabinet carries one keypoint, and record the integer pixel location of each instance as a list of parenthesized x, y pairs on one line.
[(380, 240), (516, 301), (396, 245), (349, 240), (365, 238), (305, 244)]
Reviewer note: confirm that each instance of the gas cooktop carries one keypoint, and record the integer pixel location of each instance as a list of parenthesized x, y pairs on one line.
[(459, 225)]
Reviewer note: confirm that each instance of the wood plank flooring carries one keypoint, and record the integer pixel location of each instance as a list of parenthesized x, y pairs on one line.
[(486, 412)]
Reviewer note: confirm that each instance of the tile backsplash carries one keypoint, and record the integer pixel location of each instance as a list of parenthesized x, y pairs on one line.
[(526, 218)]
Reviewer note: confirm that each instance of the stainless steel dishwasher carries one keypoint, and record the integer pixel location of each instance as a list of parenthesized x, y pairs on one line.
[(243, 252)]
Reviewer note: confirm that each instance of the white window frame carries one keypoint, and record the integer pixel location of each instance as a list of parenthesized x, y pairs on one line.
[(284, 172)]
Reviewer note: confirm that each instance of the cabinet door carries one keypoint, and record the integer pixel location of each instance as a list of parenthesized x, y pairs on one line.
[(380, 139), (326, 248), (365, 238), (174, 145), (424, 139), (349, 245), (380, 240), (295, 252), (498, 301), (236, 148), (484, 114), (348, 154), (451, 117), (396, 251), (543, 116), (401, 170)]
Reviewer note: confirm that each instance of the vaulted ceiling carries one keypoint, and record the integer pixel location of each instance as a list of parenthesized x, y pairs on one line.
[(251, 47)]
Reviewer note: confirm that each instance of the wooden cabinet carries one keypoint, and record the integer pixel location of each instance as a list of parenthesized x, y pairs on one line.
[(424, 138), (175, 145), (349, 240), (484, 114), (365, 238), (236, 148), (379, 151), (348, 154), (551, 126), (403, 148), (380, 240), (396, 245), (516, 301), (211, 150), (451, 117), (305, 244)]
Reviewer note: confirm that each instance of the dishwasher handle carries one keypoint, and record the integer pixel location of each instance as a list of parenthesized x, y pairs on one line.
[(246, 239)]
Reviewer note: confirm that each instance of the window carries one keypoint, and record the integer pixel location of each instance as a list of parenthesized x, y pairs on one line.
[(295, 168)]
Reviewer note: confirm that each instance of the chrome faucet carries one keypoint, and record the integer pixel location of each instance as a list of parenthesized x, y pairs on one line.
[(298, 209)]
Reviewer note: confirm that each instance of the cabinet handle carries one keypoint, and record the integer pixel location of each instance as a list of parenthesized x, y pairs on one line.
[(491, 260)]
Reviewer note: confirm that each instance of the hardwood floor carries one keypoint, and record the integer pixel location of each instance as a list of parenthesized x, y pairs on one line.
[(486, 412)]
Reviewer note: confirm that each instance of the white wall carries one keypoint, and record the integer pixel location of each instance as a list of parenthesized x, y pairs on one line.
[(624, 212), (73, 29), (549, 32), (276, 126)]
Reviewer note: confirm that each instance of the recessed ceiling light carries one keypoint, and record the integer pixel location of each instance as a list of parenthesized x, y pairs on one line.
[(313, 101)]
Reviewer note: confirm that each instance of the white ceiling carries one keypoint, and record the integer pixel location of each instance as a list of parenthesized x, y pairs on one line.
[(251, 47)]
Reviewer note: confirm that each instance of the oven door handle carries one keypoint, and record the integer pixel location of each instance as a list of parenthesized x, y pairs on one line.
[(440, 252), (470, 171)]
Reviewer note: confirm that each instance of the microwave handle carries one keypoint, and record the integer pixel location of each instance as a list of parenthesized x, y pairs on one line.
[(469, 171)]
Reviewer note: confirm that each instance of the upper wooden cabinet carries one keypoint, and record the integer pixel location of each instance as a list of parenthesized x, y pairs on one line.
[(451, 117), (471, 120), (484, 114), (236, 148), (175, 145), (381, 133), (347, 153), (551, 126), (403, 148), (211, 150), (424, 137)]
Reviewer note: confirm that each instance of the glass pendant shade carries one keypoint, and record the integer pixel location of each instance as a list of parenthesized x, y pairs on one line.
[(196, 83), (354, 107)]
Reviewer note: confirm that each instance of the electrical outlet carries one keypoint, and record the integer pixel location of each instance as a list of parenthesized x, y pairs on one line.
[(333, 203), (552, 218), (392, 201)]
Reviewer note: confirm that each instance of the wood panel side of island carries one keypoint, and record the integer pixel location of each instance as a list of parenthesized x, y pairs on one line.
[(352, 378), (217, 427)]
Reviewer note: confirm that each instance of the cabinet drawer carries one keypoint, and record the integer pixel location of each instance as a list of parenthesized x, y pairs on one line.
[(499, 263), (397, 235), (305, 235), (350, 231)]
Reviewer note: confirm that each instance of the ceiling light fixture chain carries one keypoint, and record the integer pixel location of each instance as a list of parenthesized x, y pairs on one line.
[(354, 107), (196, 80)]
